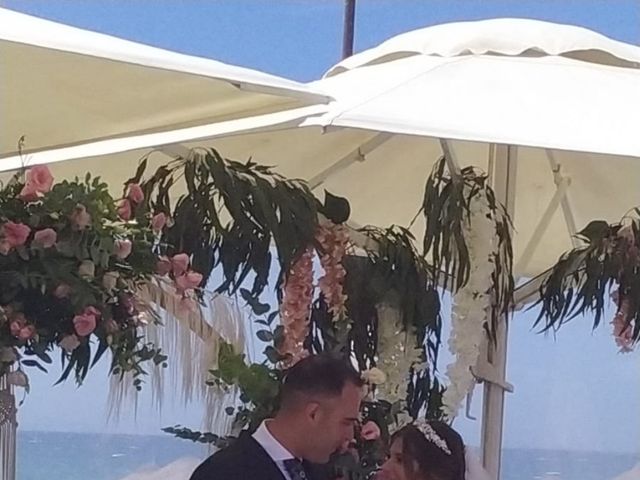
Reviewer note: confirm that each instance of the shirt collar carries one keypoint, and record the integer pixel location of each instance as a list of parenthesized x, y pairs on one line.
[(268, 442)]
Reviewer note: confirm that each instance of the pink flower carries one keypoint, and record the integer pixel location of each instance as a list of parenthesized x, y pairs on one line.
[(62, 291), (122, 248), (163, 266), (124, 210), (136, 195), (370, 431), (80, 218), (84, 324), (15, 327), (180, 263), (91, 310), (45, 238), (39, 181), (15, 234), (188, 281), (622, 328), (19, 327), (28, 193), (27, 332), (158, 222)]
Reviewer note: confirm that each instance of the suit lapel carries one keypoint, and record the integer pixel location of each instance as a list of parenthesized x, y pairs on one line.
[(258, 460)]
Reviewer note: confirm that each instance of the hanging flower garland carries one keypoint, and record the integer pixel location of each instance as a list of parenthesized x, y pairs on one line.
[(471, 305), (333, 240), (295, 308), (468, 240), (298, 291)]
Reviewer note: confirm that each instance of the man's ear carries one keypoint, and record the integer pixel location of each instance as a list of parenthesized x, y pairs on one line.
[(312, 411)]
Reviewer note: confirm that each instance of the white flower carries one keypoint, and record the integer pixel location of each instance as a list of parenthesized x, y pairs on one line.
[(69, 343), (374, 376), (110, 280), (394, 358), (87, 269)]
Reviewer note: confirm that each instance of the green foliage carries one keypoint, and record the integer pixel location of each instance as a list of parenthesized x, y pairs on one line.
[(582, 279), (446, 208), (241, 210)]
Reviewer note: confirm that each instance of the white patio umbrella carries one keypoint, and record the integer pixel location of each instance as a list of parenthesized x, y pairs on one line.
[(550, 111), (63, 86)]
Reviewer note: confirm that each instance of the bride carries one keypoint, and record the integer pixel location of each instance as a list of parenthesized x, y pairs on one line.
[(430, 451)]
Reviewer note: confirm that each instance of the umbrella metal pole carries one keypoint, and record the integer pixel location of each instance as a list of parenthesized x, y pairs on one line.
[(503, 181), (349, 25)]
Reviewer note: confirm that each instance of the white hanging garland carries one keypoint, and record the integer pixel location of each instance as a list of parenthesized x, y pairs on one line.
[(471, 305)]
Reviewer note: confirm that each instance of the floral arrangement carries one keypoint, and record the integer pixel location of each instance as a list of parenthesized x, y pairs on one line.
[(327, 295), (72, 260), (581, 281)]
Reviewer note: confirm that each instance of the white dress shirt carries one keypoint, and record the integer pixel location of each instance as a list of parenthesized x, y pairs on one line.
[(273, 447)]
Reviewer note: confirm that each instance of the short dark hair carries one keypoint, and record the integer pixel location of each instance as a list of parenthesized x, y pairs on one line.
[(318, 375)]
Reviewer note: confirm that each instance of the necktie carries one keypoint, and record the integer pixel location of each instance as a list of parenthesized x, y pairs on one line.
[(294, 468)]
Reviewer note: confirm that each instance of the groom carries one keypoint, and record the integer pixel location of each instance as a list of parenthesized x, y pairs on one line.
[(319, 406)]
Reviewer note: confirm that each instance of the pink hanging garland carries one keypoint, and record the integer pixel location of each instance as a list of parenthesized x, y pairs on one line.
[(296, 307), (333, 240)]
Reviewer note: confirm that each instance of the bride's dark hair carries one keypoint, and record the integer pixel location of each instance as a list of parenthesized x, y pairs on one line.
[(433, 463)]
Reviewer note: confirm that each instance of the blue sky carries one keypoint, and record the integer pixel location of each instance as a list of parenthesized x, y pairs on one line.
[(573, 391)]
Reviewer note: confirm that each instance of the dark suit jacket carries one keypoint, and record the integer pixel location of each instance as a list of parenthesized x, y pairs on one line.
[(245, 459)]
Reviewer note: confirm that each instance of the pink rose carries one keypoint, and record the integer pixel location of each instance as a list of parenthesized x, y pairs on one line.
[(180, 263), (45, 238), (188, 281), (15, 327), (27, 332), (136, 195), (29, 193), (370, 431), (122, 249), (80, 218), (163, 266), (158, 222), (39, 181), (84, 324), (62, 291), (15, 234), (124, 210)]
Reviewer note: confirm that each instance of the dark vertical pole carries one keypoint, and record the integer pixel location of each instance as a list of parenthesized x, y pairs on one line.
[(349, 21)]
